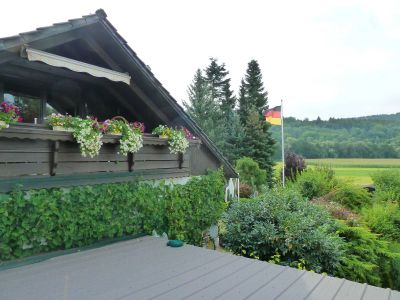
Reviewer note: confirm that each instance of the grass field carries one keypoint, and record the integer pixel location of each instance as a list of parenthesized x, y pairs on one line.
[(358, 170)]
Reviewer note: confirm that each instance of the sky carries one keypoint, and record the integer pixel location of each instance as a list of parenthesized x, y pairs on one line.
[(323, 58)]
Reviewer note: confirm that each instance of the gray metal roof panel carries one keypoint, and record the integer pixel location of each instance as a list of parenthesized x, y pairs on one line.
[(373, 292), (146, 268), (350, 290), (394, 295)]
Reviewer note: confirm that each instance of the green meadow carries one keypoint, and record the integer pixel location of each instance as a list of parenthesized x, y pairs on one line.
[(358, 170)]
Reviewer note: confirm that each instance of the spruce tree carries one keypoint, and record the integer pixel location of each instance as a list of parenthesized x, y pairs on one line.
[(201, 106), (220, 86), (244, 105), (258, 142), (229, 130)]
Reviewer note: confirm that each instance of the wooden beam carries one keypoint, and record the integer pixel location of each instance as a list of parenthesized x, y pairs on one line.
[(1, 91), (149, 103), (43, 102), (13, 53), (131, 161), (122, 100), (102, 53), (54, 159), (180, 159)]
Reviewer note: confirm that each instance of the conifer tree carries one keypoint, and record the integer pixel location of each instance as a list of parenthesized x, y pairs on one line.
[(220, 86), (244, 105), (258, 142), (201, 106), (229, 130)]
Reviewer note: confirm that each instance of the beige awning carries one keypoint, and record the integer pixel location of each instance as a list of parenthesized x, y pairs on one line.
[(75, 65)]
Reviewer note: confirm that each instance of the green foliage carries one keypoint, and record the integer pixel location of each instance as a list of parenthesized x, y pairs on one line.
[(245, 190), (383, 218), (258, 143), (364, 137), (294, 165), (253, 99), (351, 196), (387, 184), (368, 259), (36, 221), (211, 104), (316, 182), (282, 221), (250, 172)]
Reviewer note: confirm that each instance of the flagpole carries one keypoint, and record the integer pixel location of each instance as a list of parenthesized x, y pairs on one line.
[(283, 147)]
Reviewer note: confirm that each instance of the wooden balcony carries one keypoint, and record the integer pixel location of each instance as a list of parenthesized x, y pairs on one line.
[(35, 156)]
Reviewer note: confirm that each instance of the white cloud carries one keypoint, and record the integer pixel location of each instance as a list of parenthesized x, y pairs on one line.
[(320, 56)]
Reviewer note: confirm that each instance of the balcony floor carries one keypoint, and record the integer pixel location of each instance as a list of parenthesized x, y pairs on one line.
[(145, 268)]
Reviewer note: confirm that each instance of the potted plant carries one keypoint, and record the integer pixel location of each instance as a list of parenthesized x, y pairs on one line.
[(132, 137), (131, 133), (9, 113), (178, 143), (177, 138), (114, 126), (60, 122), (87, 135), (163, 131)]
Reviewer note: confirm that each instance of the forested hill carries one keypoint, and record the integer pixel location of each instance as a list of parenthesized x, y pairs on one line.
[(375, 136)]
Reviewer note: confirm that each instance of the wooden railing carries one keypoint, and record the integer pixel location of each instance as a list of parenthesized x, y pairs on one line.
[(35, 151)]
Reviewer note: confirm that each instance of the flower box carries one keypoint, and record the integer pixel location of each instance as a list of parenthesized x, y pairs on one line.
[(3, 124), (62, 128)]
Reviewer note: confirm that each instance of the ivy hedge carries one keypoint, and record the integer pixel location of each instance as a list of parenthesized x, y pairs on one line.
[(36, 221)]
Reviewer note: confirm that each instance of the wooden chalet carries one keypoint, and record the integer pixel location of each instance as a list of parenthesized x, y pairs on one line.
[(84, 67)]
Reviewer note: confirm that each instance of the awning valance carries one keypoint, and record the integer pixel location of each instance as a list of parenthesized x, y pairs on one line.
[(75, 65)]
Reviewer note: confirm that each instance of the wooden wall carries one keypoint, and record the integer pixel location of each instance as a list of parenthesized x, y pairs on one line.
[(45, 158)]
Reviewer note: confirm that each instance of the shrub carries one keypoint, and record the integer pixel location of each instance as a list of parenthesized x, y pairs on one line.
[(387, 184), (245, 190), (316, 182), (250, 172), (383, 218), (351, 196), (282, 221), (336, 210), (42, 220), (294, 165), (368, 259)]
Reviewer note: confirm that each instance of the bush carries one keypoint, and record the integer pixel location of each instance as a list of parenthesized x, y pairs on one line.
[(294, 165), (368, 259), (282, 221), (335, 209), (387, 184), (316, 182), (245, 190), (351, 196), (383, 218), (250, 172), (48, 219)]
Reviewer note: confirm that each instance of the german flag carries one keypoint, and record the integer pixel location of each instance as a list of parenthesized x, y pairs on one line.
[(273, 115)]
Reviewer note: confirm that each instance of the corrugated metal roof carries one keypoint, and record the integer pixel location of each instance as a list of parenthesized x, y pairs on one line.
[(145, 268)]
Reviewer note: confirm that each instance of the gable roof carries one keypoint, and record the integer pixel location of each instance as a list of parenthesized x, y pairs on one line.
[(10, 48)]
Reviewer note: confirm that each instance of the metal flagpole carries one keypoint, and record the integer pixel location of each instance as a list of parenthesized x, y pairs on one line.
[(283, 147)]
